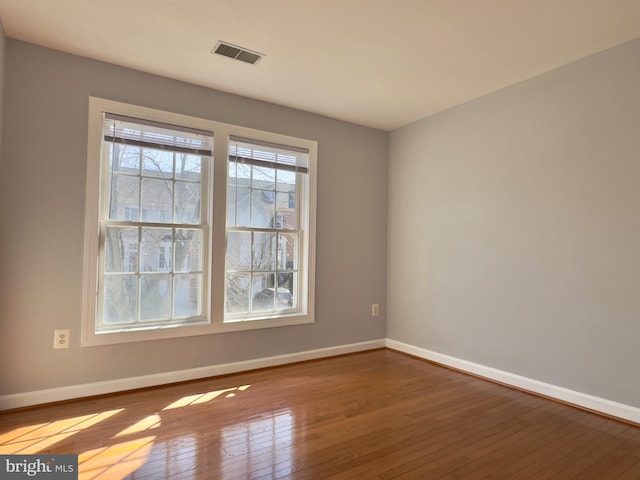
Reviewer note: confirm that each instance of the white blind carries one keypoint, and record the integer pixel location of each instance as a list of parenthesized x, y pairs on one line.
[(150, 134), (265, 154)]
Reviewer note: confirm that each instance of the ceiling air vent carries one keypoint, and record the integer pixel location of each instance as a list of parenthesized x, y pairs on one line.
[(237, 53)]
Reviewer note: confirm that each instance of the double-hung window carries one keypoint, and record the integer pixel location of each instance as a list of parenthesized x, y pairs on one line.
[(152, 228), (266, 228), (193, 226)]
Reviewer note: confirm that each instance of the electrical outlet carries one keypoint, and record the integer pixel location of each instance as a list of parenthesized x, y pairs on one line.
[(375, 310), (61, 338)]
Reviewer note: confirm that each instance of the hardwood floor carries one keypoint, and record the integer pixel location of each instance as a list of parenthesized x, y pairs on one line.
[(372, 415)]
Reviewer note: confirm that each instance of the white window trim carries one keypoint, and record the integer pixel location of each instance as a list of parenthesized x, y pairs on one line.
[(214, 297)]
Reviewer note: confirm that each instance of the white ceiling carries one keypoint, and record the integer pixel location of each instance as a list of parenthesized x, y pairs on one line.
[(379, 63)]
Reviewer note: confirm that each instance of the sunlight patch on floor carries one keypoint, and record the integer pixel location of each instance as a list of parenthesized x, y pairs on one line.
[(205, 397), (116, 461), (147, 423), (38, 437)]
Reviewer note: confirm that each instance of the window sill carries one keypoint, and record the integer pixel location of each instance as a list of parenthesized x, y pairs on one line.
[(167, 332)]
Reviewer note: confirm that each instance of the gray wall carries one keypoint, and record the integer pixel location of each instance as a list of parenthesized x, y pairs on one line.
[(2, 54), (42, 208), (514, 227)]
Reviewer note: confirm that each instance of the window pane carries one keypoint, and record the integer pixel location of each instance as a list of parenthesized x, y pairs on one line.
[(120, 299), (238, 251), (239, 206), (264, 251), (238, 290), (263, 178), (125, 195), (157, 200), (157, 163), (287, 257), (187, 299), (127, 159), (121, 249), (231, 207), (263, 292), (188, 167), (262, 208), (188, 250), (285, 213), (187, 203), (155, 297), (286, 181), (287, 291), (241, 174), (155, 249), (232, 172)]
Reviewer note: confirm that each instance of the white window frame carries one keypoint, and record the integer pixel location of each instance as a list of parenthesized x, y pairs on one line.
[(216, 182)]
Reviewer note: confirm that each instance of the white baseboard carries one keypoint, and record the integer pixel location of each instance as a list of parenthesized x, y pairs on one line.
[(38, 397), (590, 402)]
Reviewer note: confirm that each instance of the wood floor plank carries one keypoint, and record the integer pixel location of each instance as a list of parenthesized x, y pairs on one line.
[(374, 415)]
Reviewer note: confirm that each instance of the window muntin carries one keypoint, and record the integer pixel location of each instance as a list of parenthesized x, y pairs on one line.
[(265, 230), (152, 269)]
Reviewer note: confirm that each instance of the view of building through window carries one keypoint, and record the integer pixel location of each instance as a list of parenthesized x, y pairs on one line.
[(263, 229), (153, 230)]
